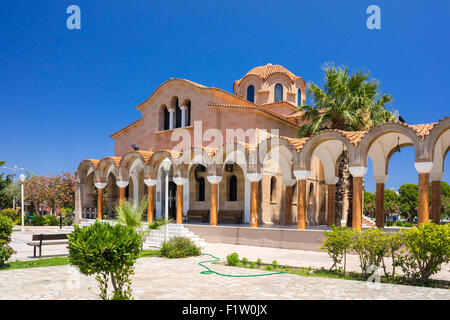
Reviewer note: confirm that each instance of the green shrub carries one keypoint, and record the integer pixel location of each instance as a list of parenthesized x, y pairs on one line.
[(6, 251), (68, 216), (259, 262), (337, 242), (275, 264), (426, 249), (50, 220), (394, 241), (179, 247), (389, 223), (399, 224), (252, 265), (268, 267), (233, 259), (244, 261), (371, 247), (6, 226), (10, 213), (108, 252), (408, 224)]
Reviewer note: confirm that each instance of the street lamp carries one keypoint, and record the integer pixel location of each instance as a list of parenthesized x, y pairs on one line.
[(14, 169), (22, 181), (166, 164)]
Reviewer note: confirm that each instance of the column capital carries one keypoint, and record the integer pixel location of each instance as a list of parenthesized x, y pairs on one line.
[(214, 179), (381, 178), (436, 176), (254, 177), (171, 110), (331, 180), (100, 185), (423, 167), (302, 174), (150, 182), (183, 107), (358, 172), (180, 181), (122, 184)]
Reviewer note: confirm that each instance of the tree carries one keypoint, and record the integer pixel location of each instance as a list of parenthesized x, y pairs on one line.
[(409, 195), (348, 102)]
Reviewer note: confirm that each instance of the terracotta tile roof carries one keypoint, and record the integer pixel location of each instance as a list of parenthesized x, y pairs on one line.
[(296, 143), (146, 155), (423, 130), (263, 72), (353, 136), (116, 160), (253, 107), (93, 161)]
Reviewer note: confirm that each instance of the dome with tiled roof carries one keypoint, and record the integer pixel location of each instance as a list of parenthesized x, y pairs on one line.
[(263, 72)]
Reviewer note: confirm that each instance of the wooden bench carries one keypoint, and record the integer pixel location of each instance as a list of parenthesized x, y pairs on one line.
[(40, 240), (233, 215), (203, 215)]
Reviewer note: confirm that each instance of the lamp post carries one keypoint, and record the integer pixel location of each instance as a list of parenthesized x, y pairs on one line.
[(166, 166), (22, 182), (14, 169)]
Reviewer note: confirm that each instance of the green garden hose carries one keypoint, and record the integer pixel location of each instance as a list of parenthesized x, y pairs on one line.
[(209, 271)]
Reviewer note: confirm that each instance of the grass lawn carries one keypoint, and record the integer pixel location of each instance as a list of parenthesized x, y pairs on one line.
[(324, 273), (58, 261)]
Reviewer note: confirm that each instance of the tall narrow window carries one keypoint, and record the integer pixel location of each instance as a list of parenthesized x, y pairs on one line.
[(188, 113), (166, 118), (201, 189), (278, 93), (251, 93), (273, 185), (299, 98), (177, 117), (232, 188)]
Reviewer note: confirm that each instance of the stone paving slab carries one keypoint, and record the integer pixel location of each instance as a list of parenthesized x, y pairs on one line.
[(159, 278)]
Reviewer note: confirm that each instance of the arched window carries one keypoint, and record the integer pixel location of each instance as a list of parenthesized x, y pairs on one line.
[(251, 93), (232, 188), (299, 97), (177, 117), (311, 194), (278, 93), (273, 185), (166, 117), (188, 112), (201, 189)]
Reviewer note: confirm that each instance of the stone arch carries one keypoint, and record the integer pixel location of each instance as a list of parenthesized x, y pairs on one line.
[(376, 133), (305, 154), (107, 166)]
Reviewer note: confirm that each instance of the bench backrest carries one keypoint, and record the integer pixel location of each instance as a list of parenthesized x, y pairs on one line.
[(50, 236), (198, 212)]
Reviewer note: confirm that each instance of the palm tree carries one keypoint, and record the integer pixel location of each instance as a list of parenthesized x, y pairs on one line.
[(132, 215), (348, 102)]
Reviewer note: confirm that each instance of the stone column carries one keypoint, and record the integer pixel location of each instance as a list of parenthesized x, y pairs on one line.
[(301, 176), (213, 210), (379, 203), (179, 182), (436, 197), (183, 116), (171, 112), (424, 169), (100, 186), (288, 214), (254, 179), (358, 176), (150, 183), (122, 185), (331, 198)]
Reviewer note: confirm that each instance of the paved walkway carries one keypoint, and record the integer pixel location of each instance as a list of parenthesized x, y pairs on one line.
[(159, 278), (293, 258)]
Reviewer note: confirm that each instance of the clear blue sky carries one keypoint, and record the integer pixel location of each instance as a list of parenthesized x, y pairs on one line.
[(62, 92)]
